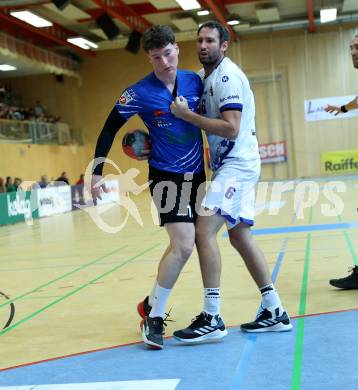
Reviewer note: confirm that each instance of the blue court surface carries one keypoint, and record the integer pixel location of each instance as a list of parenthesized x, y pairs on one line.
[(320, 353), (303, 228)]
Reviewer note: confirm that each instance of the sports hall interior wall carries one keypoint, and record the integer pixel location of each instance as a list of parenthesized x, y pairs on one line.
[(305, 66), (29, 162)]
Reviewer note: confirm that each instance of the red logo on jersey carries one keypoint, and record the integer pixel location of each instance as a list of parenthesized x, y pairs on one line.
[(158, 113), (123, 99)]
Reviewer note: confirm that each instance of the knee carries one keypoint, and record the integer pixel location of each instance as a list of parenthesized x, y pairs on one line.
[(238, 241), (184, 250), (234, 241), (201, 235)]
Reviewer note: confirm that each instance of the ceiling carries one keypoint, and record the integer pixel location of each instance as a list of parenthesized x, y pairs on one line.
[(78, 18)]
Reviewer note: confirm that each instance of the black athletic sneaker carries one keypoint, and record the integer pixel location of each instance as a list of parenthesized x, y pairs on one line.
[(349, 283), (204, 327), (152, 332), (144, 308), (269, 320)]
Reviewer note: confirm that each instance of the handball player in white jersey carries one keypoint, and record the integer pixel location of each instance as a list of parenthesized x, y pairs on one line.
[(228, 116)]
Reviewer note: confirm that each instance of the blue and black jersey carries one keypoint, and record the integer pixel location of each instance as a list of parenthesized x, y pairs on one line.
[(177, 145)]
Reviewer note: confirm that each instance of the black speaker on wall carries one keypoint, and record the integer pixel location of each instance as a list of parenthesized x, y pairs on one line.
[(133, 44), (59, 78), (107, 25), (61, 4)]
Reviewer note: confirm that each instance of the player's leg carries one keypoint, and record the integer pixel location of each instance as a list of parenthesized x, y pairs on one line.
[(182, 239), (241, 239), (208, 325), (171, 195), (157, 179), (272, 316), (144, 307), (206, 230)]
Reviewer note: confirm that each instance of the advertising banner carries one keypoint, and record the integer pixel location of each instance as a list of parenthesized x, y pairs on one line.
[(112, 195), (82, 198), (338, 162), (314, 108), (18, 206), (54, 200), (273, 152)]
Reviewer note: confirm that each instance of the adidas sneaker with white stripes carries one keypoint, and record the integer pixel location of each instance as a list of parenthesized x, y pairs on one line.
[(269, 320), (204, 327)]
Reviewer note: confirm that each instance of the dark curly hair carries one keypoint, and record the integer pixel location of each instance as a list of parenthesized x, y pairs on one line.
[(223, 31), (157, 37)]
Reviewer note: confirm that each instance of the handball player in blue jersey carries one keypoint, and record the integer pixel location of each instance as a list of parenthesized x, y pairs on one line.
[(176, 166)]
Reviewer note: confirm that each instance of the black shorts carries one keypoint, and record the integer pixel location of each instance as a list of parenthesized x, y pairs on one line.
[(176, 195)]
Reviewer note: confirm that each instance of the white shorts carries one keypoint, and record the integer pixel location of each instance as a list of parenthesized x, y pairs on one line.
[(232, 191)]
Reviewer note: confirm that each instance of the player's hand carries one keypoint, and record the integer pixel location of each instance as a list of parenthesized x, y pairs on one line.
[(97, 187), (179, 107), (333, 109)]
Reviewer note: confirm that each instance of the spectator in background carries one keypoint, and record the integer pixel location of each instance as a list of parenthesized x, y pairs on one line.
[(20, 113), (63, 178), (39, 110), (9, 185), (17, 182), (3, 110), (79, 189), (7, 95), (81, 180), (43, 183), (2, 186)]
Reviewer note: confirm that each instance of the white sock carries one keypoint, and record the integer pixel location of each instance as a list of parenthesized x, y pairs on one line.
[(212, 300), (160, 299), (270, 297), (151, 295)]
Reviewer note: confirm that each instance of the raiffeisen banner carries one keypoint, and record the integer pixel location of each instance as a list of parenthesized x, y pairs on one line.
[(343, 161)]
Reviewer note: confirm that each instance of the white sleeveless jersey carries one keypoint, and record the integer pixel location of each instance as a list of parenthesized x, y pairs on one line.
[(227, 88)]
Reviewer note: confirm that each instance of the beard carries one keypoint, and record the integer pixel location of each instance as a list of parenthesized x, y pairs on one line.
[(210, 59), (355, 62)]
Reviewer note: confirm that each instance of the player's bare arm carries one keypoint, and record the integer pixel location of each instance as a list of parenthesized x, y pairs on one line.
[(228, 126), (352, 105)]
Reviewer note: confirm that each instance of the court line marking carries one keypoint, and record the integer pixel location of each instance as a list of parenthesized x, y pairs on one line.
[(351, 248), (298, 353), (325, 313), (63, 276), (250, 343), (152, 384), (306, 228), (303, 228), (141, 342), (350, 245), (244, 361), (34, 314)]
